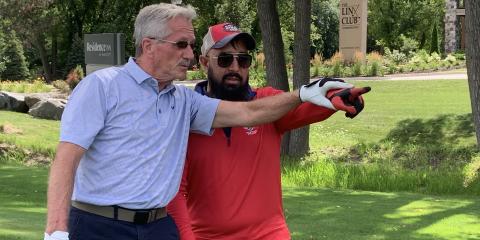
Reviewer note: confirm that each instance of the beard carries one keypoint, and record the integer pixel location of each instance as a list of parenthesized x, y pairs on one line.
[(219, 89)]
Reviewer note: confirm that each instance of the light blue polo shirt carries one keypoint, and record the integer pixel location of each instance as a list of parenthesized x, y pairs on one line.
[(135, 135)]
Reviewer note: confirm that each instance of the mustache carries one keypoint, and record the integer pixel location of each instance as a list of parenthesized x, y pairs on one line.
[(185, 62), (232, 75)]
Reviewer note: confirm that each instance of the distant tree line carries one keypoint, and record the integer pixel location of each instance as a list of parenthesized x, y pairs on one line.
[(50, 32)]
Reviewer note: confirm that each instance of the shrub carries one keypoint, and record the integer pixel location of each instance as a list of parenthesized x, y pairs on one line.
[(358, 60), (408, 45), (259, 62), (198, 74), (450, 59), (374, 62), (471, 171), (395, 56), (336, 61), (75, 76), (61, 85)]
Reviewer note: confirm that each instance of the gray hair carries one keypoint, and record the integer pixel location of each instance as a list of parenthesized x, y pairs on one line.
[(152, 21)]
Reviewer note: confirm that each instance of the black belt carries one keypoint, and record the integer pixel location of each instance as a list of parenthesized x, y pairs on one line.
[(119, 213)]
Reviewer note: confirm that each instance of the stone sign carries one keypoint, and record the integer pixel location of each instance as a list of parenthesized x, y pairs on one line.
[(353, 28), (104, 50)]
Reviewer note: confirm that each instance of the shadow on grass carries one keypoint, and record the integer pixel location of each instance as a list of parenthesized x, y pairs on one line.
[(330, 214), (22, 202), (447, 140)]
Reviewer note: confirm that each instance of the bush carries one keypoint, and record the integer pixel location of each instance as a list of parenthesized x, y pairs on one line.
[(408, 45), (195, 75), (471, 171), (336, 61), (75, 76), (358, 61), (374, 63), (395, 56), (61, 85)]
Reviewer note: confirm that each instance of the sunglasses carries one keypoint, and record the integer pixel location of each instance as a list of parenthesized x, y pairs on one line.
[(179, 44), (226, 59)]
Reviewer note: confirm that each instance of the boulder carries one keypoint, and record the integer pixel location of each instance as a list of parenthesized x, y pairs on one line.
[(48, 109), (32, 99), (13, 102)]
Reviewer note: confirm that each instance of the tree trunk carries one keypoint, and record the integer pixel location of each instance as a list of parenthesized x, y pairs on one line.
[(301, 73), (273, 50), (47, 71), (54, 54), (472, 50), (272, 44)]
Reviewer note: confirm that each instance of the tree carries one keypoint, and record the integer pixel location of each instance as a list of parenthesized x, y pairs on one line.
[(273, 49), (387, 19), (472, 34), (325, 20), (301, 65), (34, 21), (16, 66)]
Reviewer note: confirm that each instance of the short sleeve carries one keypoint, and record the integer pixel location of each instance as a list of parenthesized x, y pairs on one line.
[(85, 113), (203, 111)]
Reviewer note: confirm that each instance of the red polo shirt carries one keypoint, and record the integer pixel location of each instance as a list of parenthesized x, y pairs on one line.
[(232, 189)]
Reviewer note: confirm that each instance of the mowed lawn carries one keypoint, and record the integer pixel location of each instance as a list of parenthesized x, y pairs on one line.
[(311, 213)]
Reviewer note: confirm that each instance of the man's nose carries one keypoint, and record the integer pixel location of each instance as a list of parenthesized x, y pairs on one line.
[(188, 52), (234, 66)]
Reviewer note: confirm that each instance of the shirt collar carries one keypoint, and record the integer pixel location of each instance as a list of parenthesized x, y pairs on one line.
[(141, 76), (136, 71)]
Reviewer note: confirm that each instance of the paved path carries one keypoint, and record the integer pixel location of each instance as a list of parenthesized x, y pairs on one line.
[(415, 76), (455, 74)]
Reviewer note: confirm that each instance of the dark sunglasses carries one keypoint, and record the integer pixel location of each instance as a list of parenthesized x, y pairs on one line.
[(226, 59), (179, 44)]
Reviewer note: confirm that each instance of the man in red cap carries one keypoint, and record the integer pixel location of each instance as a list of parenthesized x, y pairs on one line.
[(231, 184)]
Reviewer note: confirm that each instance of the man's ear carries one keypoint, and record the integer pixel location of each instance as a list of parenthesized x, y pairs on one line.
[(147, 45), (204, 61)]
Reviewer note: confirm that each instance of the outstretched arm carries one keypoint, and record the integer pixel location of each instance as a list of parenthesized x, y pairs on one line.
[(269, 109), (253, 113)]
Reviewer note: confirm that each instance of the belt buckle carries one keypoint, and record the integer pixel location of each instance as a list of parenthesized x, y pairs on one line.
[(141, 217)]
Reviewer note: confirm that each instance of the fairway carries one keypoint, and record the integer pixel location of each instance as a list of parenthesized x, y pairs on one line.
[(420, 113), (311, 213), (314, 213)]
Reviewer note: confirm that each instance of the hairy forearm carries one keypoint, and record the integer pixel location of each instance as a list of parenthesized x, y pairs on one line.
[(253, 113), (60, 186), (269, 109)]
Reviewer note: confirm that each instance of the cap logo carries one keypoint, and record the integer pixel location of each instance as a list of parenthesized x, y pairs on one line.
[(230, 28)]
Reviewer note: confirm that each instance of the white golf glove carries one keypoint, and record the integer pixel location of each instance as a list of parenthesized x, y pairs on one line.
[(316, 91), (57, 235)]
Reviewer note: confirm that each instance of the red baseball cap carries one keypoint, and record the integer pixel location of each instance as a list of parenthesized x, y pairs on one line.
[(221, 34)]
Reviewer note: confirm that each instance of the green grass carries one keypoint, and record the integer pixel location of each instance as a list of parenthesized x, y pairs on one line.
[(25, 86), (22, 202), (413, 136), (311, 213), (343, 214), (387, 105), (37, 134)]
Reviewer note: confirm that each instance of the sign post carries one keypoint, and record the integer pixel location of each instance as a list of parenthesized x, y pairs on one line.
[(104, 50), (353, 28)]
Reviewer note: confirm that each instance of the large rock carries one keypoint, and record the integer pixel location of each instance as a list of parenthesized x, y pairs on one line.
[(48, 109), (13, 102), (32, 99)]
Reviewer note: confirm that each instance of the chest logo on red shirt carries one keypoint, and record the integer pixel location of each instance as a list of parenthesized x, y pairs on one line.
[(251, 130)]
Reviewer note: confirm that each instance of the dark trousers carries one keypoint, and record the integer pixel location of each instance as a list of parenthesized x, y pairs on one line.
[(87, 226)]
